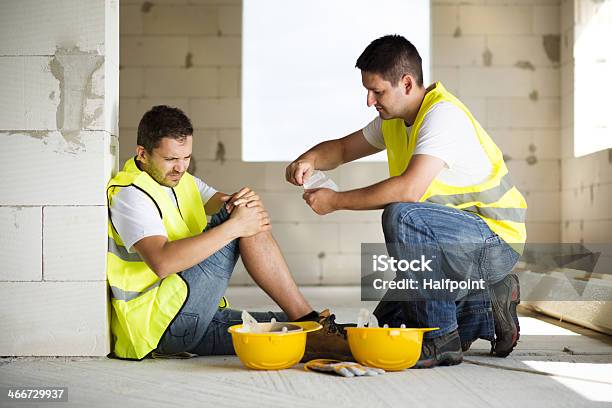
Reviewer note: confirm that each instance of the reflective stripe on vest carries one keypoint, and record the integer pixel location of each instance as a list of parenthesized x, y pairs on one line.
[(486, 196), (121, 252), (126, 296), (496, 200), (498, 213)]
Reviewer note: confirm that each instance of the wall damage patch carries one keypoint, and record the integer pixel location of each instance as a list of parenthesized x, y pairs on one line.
[(487, 57), (74, 69), (552, 46)]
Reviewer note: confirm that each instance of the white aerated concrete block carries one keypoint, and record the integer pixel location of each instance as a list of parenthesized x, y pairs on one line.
[(572, 231), (240, 276), (109, 120), (352, 235), (508, 50), (358, 175), (493, 81), (300, 237), (131, 82), (230, 19), (590, 202), (520, 144), (357, 217), (229, 82), (547, 82), (305, 268), (595, 168), (598, 231), (111, 31), (568, 104), (75, 243), (216, 50), (218, 2), (543, 206), (232, 143), (444, 19), (131, 18), (48, 168), (32, 27), (30, 93), (459, 51), (567, 142), (544, 175), (12, 108), (180, 82), (568, 15), (230, 176), (478, 107), (180, 19), (157, 51), (132, 109), (523, 112), (21, 243), (127, 145), (512, 2), (495, 20), (547, 19), (54, 319), (342, 269), (204, 145), (449, 78), (567, 79), (574, 202), (602, 203), (174, 2), (543, 232), (216, 113)]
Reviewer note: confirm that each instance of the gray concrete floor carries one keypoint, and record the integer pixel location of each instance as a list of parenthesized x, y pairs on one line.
[(555, 364)]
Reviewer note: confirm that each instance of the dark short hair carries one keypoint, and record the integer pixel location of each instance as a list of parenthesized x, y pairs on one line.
[(162, 121), (391, 57)]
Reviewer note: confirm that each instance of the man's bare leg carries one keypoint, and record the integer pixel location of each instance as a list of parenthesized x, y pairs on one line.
[(265, 263)]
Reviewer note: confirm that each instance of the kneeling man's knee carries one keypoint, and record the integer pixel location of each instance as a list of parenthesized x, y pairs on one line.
[(393, 215)]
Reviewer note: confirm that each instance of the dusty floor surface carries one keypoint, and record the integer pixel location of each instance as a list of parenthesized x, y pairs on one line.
[(555, 364)]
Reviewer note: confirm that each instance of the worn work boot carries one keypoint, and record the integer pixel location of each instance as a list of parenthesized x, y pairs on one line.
[(329, 342), (505, 296), (441, 351)]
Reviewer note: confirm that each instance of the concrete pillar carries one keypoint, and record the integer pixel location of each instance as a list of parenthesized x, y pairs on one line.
[(59, 82)]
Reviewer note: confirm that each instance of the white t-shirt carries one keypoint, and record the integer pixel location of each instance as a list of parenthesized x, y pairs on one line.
[(135, 215), (448, 134)]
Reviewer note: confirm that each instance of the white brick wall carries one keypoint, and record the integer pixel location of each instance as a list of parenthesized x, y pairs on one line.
[(180, 65), (54, 318), (21, 228), (586, 191), (74, 241), (59, 70)]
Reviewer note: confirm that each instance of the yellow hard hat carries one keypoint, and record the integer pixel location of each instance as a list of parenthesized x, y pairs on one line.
[(391, 349), (273, 350)]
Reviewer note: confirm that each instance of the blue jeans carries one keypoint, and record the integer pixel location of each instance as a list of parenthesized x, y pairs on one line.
[(200, 326), (431, 225)]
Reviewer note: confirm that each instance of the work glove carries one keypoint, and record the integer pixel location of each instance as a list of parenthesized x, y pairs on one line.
[(342, 368)]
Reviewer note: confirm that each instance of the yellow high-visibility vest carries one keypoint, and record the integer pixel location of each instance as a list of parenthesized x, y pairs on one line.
[(142, 304), (496, 200)]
